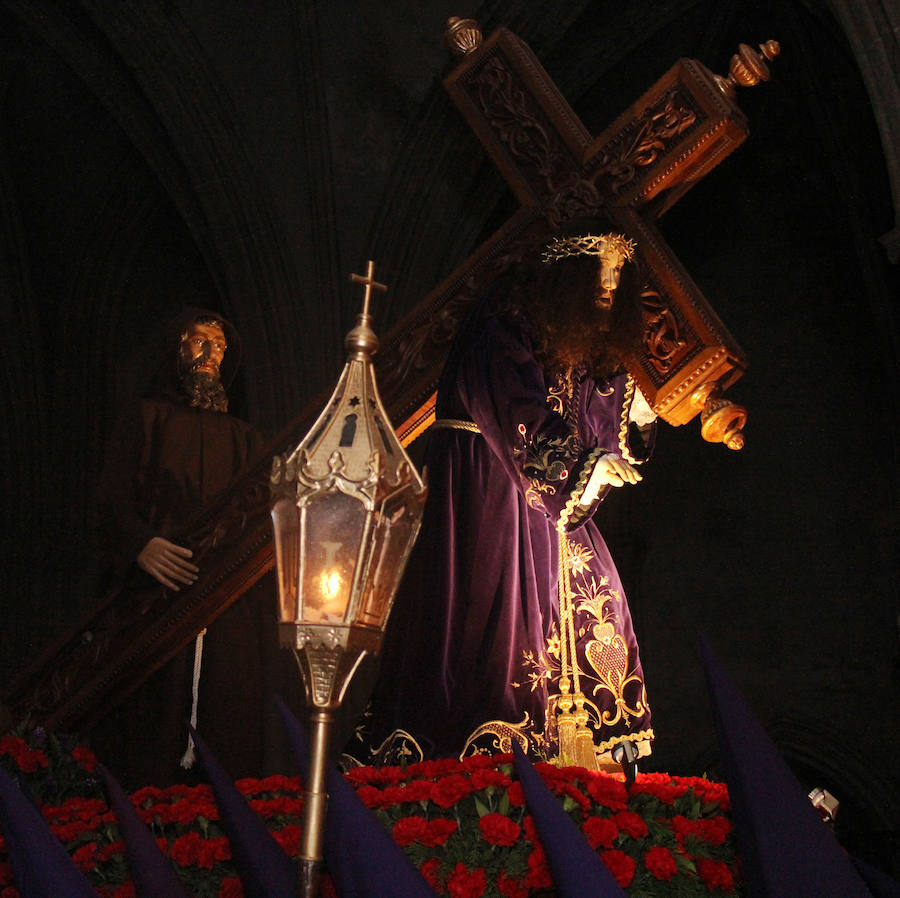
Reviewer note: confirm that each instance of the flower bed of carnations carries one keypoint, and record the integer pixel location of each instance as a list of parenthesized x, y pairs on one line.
[(464, 824)]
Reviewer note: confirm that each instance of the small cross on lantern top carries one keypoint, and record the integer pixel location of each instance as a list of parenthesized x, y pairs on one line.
[(362, 338), (370, 283)]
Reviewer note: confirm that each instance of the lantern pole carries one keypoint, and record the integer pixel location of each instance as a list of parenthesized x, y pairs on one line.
[(315, 804)]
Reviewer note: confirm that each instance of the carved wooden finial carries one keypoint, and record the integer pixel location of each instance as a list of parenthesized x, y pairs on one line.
[(748, 67), (462, 35), (721, 421)]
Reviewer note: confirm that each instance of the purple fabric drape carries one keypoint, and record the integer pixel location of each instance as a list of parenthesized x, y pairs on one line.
[(471, 658)]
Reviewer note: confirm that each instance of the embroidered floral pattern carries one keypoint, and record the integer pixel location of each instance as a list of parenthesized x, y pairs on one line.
[(614, 691), (544, 462)]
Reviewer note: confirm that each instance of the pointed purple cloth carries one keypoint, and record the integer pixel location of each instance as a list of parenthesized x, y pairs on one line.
[(576, 868), (361, 857), (785, 847), (265, 870), (41, 865), (151, 870), (880, 884)]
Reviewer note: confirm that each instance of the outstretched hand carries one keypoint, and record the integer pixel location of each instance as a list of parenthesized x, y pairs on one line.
[(167, 563), (612, 470), (616, 471)]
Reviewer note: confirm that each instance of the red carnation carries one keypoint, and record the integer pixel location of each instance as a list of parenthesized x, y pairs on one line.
[(192, 849), (481, 779), (516, 794), (511, 888), (716, 830), (417, 790), (85, 757), (69, 832), (449, 790), (438, 831), (497, 829), (466, 883), (369, 796), (713, 793), (659, 861), (715, 874), (393, 795), (620, 865), (288, 837), (111, 850), (600, 831), (434, 769), (538, 870), (632, 824), (659, 786), (146, 795), (480, 762), (430, 870), (409, 829), (12, 745), (85, 857), (607, 791), (28, 760), (231, 887), (186, 812)]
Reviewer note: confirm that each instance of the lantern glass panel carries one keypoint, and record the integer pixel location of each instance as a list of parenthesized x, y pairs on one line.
[(395, 530), (333, 525), (286, 524)]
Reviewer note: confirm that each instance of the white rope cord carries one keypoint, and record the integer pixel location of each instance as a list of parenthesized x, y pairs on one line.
[(190, 755)]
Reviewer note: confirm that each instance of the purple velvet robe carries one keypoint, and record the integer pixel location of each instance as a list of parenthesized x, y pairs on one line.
[(472, 656)]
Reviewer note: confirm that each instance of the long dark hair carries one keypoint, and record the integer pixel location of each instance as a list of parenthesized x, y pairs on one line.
[(557, 298)]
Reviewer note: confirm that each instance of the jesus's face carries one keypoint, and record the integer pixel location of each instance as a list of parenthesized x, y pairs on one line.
[(612, 258), (203, 348)]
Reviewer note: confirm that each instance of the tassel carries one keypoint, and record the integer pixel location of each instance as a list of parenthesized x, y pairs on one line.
[(190, 755), (565, 724), (585, 753)]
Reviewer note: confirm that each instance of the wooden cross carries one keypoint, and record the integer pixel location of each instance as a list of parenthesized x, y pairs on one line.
[(667, 140)]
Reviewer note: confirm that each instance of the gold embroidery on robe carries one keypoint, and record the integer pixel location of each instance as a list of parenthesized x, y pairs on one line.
[(603, 660), (496, 737)]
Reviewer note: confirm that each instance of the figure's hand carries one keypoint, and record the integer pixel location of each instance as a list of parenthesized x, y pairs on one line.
[(612, 470), (168, 563), (616, 471)]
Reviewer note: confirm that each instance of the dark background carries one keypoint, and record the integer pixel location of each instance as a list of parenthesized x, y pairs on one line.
[(249, 156)]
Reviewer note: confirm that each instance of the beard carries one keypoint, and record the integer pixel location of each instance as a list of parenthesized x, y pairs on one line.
[(571, 330), (204, 390)]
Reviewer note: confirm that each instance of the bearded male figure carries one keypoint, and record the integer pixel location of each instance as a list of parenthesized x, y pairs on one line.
[(176, 452), (512, 622)]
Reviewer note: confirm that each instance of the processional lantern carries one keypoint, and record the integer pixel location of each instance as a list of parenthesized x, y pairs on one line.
[(346, 508)]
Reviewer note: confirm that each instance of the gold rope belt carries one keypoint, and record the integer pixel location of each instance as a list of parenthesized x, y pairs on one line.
[(454, 424)]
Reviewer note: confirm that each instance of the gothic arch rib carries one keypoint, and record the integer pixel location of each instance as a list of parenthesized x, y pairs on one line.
[(873, 31), (146, 68)]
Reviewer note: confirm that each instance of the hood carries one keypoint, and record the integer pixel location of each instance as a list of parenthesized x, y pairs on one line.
[(166, 382)]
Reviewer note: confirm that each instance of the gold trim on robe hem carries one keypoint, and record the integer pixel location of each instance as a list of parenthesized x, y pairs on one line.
[(495, 736)]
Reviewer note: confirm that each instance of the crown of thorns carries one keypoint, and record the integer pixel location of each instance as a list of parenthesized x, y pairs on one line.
[(588, 244)]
